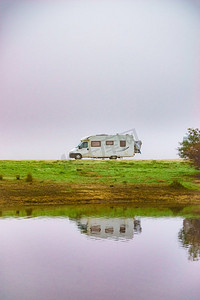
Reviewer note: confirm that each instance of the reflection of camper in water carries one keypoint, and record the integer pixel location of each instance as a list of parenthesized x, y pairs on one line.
[(115, 228), (189, 236)]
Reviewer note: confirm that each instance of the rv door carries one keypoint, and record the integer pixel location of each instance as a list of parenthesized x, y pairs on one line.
[(83, 148)]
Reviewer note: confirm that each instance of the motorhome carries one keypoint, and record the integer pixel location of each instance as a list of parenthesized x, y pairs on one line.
[(106, 146)]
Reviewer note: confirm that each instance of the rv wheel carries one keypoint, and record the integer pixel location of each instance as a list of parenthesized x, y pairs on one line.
[(113, 157), (78, 156)]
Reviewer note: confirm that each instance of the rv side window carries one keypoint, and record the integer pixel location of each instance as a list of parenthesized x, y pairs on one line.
[(95, 144), (122, 143), (109, 142)]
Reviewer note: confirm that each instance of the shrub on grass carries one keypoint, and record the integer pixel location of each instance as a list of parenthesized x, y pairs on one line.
[(190, 146), (1, 177), (195, 155), (29, 177), (176, 185), (18, 177)]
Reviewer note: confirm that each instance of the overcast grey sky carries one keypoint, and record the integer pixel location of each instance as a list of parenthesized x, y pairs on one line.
[(73, 68)]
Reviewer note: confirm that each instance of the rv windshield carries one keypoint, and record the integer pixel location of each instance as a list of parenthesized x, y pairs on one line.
[(83, 145)]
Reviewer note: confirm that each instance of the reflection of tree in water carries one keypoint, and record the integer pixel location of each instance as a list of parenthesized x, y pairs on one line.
[(189, 236)]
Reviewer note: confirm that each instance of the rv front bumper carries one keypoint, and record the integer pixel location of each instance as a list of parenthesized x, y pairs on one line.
[(72, 155)]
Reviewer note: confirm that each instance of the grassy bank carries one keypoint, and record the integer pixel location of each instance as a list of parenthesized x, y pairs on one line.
[(94, 181), (102, 171)]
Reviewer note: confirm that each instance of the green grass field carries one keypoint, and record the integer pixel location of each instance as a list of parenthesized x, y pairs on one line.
[(103, 171)]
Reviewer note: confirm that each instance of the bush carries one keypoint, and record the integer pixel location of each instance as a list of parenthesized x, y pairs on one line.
[(29, 177), (194, 154), (190, 146), (176, 185), (1, 177), (18, 177)]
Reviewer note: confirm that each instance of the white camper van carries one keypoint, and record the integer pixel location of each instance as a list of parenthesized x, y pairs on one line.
[(106, 146)]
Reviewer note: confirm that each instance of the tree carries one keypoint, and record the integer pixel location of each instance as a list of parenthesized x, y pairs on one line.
[(190, 146), (195, 154)]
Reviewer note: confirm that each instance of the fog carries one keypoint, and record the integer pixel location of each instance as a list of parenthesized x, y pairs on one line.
[(74, 68)]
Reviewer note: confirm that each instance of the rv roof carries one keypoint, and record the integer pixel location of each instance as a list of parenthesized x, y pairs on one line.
[(101, 134), (87, 137)]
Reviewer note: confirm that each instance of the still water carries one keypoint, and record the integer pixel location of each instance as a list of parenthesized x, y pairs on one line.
[(99, 257)]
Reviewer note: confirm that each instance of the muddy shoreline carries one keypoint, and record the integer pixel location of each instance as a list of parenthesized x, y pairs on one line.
[(22, 194)]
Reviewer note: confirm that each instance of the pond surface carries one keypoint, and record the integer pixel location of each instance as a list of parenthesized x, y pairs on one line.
[(93, 257)]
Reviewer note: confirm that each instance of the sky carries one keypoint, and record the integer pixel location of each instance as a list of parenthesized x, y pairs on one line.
[(75, 68)]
